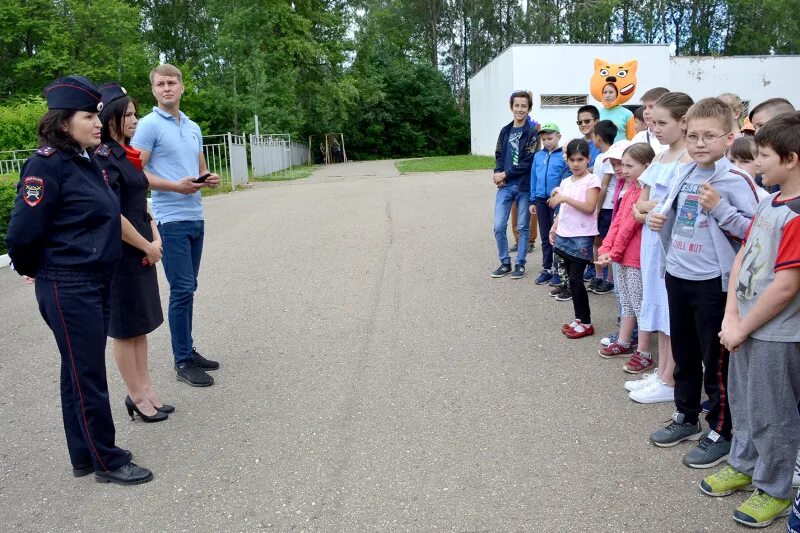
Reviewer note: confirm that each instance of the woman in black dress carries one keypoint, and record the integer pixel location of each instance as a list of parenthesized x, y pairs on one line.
[(135, 302)]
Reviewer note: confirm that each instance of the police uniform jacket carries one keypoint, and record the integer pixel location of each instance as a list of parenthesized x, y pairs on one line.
[(66, 218)]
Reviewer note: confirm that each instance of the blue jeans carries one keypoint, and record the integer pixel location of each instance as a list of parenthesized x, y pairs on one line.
[(183, 247), (502, 209)]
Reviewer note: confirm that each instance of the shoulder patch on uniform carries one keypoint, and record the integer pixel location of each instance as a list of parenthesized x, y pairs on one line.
[(46, 151), (32, 190), (103, 150)]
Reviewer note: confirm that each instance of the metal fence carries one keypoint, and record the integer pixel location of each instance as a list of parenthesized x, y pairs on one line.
[(274, 152), (11, 161), (225, 154)]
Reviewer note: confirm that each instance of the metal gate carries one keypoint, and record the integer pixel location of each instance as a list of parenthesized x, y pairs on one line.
[(226, 155)]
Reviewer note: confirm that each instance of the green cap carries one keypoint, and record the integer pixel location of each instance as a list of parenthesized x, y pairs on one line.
[(550, 126)]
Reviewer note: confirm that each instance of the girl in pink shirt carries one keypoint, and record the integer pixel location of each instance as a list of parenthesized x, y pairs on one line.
[(573, 231), (621, 246)]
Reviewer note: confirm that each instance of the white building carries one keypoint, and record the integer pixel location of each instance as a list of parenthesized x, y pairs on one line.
[(559, 74)]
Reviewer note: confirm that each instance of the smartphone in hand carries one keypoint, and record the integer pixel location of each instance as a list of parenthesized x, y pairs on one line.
[(203, 178)]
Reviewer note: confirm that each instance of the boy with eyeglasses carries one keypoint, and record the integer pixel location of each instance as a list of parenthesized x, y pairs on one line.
[(702, 222), (588, 116)]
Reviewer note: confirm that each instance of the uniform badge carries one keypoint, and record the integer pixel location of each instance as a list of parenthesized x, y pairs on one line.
[(103, 150), (46, 151), (33, 190), (105, 175)]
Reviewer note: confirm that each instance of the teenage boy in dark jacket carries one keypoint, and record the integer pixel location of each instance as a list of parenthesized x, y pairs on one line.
[(516, 145)]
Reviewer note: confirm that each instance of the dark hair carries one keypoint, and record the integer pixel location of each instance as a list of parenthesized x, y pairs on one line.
[(51, 130), (781, 105), (744, 149), (639, 113), (654, 94), (113, 118), (640, 152), (712, 108), (782, 134), (521, 94), (606, 130), (589, 109), (677, 104), (578, 146)]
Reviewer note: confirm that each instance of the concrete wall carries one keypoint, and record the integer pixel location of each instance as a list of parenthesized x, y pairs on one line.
[(489, 111), (752, 78), (566, 69)]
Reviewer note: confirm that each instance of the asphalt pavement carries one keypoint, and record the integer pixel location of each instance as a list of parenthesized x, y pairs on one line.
[(374, 378)]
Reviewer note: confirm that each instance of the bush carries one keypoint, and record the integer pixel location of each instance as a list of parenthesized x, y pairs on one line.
[(8, 191), (18, 122)]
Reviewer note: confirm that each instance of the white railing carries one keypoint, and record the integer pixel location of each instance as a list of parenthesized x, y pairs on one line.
[(274, 152), (11, 161), (225, 154)]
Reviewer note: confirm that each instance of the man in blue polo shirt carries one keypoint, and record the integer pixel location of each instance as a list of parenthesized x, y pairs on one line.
[(172, 152)]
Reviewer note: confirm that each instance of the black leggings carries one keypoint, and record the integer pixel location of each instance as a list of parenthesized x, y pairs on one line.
[(575, 268), (696, 309)]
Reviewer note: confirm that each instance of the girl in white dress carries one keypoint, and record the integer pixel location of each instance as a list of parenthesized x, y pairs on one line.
[(670, 127)]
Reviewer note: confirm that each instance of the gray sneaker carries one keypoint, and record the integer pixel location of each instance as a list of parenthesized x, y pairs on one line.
[(711, 451), (502, 270), (676, 432), (519, 272)]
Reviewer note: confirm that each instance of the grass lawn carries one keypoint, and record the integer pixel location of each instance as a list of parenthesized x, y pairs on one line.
[(445, 163), (295, 173)]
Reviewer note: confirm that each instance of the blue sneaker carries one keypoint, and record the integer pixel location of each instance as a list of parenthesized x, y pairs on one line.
[(611, 339), (589, 274), (544, 277), (555, 280)]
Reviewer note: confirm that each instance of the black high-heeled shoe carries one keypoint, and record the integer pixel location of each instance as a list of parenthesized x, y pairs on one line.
[(165, 409), (131, 406)]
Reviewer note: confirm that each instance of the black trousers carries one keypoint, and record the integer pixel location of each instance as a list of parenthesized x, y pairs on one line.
[(580, 298), (77, 311), (696, 309)]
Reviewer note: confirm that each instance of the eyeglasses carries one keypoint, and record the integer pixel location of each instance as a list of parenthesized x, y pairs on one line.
[(584, 122), (708, 138)]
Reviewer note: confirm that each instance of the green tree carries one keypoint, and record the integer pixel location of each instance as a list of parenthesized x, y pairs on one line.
[(43, 40)]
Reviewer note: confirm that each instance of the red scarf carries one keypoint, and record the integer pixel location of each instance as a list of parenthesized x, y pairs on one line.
[(133, 156)]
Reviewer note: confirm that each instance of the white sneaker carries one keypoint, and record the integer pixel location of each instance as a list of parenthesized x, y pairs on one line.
[(638, 384), (657, 392), (796, 476)]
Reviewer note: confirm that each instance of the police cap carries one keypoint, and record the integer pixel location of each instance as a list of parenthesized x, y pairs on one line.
[(74, 93), (111, 91)]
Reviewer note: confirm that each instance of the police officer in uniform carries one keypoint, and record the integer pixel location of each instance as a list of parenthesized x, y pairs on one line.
[(65, 232)]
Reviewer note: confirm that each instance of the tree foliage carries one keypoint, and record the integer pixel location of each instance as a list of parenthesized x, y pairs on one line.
[(391, 75)]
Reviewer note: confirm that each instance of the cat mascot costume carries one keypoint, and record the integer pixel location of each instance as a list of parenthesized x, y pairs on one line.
[(612, 85)]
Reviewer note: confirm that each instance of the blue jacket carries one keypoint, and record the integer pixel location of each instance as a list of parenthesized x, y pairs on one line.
[(528, 145), (548, 169)]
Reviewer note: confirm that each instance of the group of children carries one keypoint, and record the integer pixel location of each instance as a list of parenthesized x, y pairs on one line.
[(692, 224)]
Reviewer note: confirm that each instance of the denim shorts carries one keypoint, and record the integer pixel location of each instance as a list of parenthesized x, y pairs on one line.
[(579, 248), (604, 221)]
